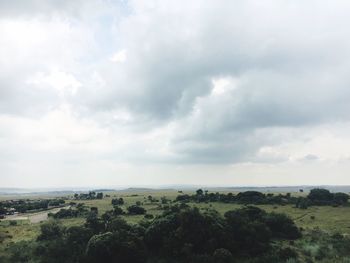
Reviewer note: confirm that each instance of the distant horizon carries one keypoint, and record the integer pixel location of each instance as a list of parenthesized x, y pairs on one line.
[(165, 187)]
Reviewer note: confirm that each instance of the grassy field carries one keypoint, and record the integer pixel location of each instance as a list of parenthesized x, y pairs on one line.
[(326, 218)]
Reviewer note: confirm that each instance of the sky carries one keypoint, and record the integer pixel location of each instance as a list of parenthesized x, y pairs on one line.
[(145, 93)]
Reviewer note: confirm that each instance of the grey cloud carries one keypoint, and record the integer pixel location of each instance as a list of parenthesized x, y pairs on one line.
[(171, 61), (290, 61), (291, 72)]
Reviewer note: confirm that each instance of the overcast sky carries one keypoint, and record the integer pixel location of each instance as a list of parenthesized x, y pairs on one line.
[(121, 93)]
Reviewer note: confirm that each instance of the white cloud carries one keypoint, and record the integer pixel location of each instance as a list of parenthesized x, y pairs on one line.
[(222, 85), (119, 57), (61, 81)]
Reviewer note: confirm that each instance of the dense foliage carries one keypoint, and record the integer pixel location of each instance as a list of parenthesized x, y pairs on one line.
[(89, 196), (315, 197), (178, 235)]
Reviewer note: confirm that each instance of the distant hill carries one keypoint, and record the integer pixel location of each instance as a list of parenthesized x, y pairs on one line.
[(142, 190), (272, 189)]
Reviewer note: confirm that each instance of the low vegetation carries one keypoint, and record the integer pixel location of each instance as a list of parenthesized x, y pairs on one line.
[(316, 197), (185, 227), (178, 235)]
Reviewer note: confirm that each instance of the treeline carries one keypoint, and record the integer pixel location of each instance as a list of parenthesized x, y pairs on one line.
[(181, 234), (315, 197), (81, 210), (88, 196), (75, 210), (25, 205)]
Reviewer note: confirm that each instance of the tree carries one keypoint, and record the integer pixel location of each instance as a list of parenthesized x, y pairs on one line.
[(136, 210), (118, 201), (282, 226), (122, 247), (51, 230), (118, 211), (99, 196), (302, 203), (199, 192), (341, 198), (251, 197), (94, 223), (320, 196)]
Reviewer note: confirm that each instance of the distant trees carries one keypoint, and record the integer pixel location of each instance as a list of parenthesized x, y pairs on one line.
[(88, 196), (315, 197), (118, 201), (320, 196), (66, 213), (183, 198), (251, 197), (199, 192), (25, 205)]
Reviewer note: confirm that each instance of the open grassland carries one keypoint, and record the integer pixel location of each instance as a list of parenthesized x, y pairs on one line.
[(326, 218)]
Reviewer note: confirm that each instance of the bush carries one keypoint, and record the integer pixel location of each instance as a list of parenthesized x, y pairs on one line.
[(51, 230), (282, 226), (117, 201), (65, 213), (118, 211), (123, 247), (136, 210)]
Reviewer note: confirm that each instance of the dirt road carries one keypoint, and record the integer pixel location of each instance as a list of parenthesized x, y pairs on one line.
[(34, 217)]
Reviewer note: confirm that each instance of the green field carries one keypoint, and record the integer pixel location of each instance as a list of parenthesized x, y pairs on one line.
[(326, 218)]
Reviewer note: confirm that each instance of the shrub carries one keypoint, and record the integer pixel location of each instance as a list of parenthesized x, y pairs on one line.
[(282, 226), (136, 210)]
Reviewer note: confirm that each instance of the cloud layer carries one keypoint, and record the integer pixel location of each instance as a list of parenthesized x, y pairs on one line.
[(159, 92)]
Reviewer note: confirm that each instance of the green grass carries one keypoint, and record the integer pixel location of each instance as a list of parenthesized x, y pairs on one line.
[(329, 219), (24, 231)]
